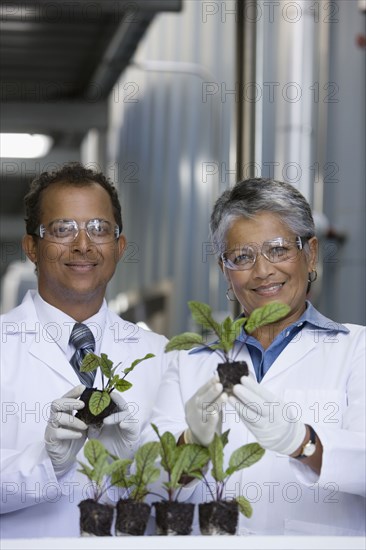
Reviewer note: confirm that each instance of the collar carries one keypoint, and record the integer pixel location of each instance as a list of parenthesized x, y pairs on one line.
[(58, 325), (311, 317)]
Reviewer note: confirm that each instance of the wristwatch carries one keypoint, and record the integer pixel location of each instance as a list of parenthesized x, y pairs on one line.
[(310, 447)]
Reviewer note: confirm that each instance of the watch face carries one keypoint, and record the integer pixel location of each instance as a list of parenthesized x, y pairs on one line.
[(309, 449)]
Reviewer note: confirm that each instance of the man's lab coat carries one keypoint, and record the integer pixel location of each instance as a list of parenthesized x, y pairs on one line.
[(34, 372)]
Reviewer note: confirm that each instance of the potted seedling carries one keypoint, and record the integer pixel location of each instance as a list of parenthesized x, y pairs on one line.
[(220, 516), (95, 517), (132, 512), (230, 370), (172, 516), (98, 403)]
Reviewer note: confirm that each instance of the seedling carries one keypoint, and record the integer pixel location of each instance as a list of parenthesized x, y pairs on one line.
[(178, 461), (241, 458), (96, 517), (145, 472), (100, 402), (227, 332), (100, 467)]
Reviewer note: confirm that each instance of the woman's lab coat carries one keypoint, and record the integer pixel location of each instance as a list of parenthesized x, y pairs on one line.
[(34, 372), (321, 377)]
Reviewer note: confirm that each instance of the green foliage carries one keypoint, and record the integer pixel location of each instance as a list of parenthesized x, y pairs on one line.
[(99, 401), (241, 458), (145, 471), (179, 460), (100, 466), (105, 470), (227, 331), (270, 313)]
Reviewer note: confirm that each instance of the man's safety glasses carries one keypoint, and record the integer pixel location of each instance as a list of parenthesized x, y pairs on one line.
[(65, 231)]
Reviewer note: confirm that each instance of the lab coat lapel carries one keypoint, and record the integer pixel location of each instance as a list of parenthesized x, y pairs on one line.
[(49, 353), (295, 351), (24, 324)]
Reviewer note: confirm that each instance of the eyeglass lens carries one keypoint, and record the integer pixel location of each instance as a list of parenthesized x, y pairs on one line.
[(67, 230), (276, 251)]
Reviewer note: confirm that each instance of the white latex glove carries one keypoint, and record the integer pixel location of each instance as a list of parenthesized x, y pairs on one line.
[(203, 413), (65, 435), (271, 423), (120, 431)]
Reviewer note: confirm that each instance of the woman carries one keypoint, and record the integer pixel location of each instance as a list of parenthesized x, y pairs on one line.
[(304, 399)]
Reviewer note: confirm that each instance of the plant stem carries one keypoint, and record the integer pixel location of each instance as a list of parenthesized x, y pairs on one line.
[(242, 344), (208, 486), (219, 352)]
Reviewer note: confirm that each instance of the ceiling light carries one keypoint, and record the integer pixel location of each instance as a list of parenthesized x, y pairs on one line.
[(25, 146)]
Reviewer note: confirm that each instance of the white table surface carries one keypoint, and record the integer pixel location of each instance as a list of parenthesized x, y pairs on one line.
[(187, 543)]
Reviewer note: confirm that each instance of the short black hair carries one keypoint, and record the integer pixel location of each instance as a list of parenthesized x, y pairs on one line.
[(71, 174)]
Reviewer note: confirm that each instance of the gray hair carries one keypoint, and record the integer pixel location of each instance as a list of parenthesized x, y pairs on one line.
[(250, 197)]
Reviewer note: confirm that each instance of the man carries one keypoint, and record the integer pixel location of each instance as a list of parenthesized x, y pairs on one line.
[(74, 239)]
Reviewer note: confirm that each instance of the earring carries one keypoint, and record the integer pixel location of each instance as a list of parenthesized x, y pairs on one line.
[(313, 276), (230, 297)]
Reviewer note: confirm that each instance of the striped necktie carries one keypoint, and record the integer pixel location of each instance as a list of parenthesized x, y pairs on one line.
[(83, 340)]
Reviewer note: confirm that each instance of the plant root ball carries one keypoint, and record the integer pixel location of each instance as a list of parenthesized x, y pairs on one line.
[(231, 373)]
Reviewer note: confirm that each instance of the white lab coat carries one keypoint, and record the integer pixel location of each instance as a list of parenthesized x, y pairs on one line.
[(323, 375), (34, 372)]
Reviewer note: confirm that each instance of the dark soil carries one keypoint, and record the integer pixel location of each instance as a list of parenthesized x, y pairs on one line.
[(230, 373), (174, 518), (95, 518), (218, 518), (86, 416), (132, 517)]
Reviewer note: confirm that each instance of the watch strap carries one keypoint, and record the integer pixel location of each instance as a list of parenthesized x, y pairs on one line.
[(311, 441)]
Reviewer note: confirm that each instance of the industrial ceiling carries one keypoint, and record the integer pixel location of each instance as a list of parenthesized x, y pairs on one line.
[(59, 60)]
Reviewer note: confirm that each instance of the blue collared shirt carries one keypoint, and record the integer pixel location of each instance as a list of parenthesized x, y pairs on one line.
[(263, 359)]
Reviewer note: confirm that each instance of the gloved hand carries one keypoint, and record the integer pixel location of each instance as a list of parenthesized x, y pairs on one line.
[(120, 432), (273, 426), (65, 435), (203, 413)]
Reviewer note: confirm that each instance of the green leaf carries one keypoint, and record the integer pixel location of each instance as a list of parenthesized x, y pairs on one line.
[(202, 314), (93, 449), (228, 334), (137, 361), (168, 451), (184, 341), (244, 457), (106, 365), (225, 438), (238, 324), (113, 381), (119, 473), (122, 385), (100, 469), (168, 448), (180, 465), (89, 363), (245, 507), (99, 401), (86, 470), (146, 455), (265, 315), (198, 456), (142, 478), (216, 450), (150, 474)]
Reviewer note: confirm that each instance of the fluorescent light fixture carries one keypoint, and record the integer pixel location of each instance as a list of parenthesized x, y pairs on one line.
[(26, 146)]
